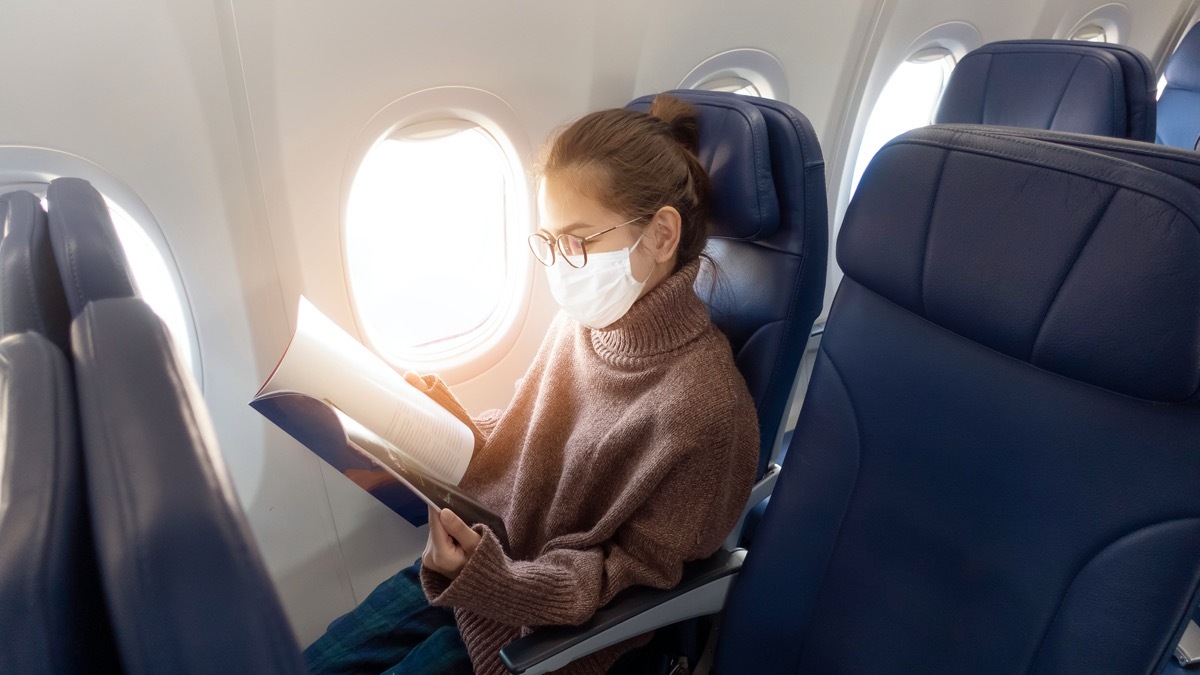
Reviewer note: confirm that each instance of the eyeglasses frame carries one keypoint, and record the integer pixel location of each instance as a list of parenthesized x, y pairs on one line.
[(556, 243)]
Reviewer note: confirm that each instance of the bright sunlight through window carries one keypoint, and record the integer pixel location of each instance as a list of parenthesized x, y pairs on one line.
[(151, 277), (1091, 33), (908, 100), (425, 237), (737, 85)]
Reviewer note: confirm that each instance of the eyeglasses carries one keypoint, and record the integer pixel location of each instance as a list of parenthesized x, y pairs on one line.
[(572, 248)]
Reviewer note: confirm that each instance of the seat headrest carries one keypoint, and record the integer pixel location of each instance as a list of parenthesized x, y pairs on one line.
[(735, 151), (90, 258), (1079, 264), (1065, 85), (31, 292), (1183, 68)]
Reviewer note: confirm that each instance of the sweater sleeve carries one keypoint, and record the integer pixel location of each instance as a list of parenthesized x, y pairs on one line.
[(566, 586)]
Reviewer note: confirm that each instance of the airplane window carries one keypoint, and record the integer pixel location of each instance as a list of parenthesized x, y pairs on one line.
[(751, 72), (1091, 33), (737, 85), (908, 100), (151, 277), (425, 237)]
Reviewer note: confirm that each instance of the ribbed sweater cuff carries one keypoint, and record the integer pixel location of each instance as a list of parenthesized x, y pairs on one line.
[(515, 593)]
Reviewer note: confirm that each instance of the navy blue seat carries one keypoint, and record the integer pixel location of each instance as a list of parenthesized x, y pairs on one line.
[(31, 293), (995, 468), (769, 240), (52, 614), (1065, 85), (185, 585), (1179, 105), (89, 254)]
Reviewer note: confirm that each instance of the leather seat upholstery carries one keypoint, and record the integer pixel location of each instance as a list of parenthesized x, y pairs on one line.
[(31, 292), (52, 613), (186, 587), (995, 468), (769, 239), (89, 254), (1063, 85)]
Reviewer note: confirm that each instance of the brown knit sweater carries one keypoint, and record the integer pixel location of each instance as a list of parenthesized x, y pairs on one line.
[(624, 453)]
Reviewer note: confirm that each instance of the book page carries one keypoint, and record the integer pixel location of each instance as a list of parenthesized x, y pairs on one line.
[(326, 363)]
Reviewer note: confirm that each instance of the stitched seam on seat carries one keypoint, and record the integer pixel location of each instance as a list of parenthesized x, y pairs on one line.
[(1070, 170), (849, 496), (1075, 577), (126, 513), (45, 514), (987, 74), (937, 189), (32, 288), (1063, 94), (1087, 238), (1010, 357), (60, 394)]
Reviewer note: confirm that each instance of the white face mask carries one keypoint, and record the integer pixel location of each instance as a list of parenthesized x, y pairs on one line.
[(601, 291)]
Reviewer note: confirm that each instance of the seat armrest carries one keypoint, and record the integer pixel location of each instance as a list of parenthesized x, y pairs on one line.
[(702, 590), (761, 490)]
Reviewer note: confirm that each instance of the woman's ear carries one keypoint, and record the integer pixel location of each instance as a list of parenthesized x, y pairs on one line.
[(662, 235)]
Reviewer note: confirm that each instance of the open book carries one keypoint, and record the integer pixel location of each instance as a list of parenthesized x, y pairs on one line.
[(345, 404)]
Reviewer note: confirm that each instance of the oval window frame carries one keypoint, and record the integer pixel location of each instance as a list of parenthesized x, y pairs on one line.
[(1113, 18), (755, 66), (24, 166), (451, 105)]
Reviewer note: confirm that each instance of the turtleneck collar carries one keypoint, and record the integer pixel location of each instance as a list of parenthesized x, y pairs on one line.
[(665, 319)]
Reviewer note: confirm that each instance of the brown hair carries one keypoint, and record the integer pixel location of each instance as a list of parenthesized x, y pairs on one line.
[(634, 163)]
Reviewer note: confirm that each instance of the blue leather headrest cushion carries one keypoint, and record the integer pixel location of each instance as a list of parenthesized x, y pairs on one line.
[(1064, 86), (1079, 264), (1183, 68), (31, 292), (89, 255), (735, 151)]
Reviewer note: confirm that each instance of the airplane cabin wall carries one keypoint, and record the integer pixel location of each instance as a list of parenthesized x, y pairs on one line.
[(236, 124)]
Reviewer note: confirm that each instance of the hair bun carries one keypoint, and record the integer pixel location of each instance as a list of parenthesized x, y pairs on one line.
[(681, 118)]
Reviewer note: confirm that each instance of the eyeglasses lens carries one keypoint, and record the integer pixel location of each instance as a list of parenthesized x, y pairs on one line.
[(542, 249), (572, 250)]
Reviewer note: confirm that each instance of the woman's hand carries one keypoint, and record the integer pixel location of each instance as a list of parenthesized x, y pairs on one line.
[(450, 545)]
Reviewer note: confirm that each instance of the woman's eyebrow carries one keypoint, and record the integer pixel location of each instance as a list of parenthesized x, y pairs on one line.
[(570, 228)]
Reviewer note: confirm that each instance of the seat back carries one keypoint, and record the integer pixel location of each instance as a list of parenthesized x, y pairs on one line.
[(1179, 105), (768, 238), (89, 254), (1066, 85), (52, 613), (186, 587), (996, 466), (31, 292)]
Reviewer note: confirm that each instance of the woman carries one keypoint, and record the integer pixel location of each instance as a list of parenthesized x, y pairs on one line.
[(630, 445)]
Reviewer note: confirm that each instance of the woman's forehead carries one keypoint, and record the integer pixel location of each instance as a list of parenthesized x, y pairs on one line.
[(561, 204)]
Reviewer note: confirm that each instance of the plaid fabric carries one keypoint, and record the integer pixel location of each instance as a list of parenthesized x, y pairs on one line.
[(393, 631)]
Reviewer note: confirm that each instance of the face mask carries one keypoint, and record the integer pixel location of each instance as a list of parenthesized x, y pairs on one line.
[(601, 291)]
